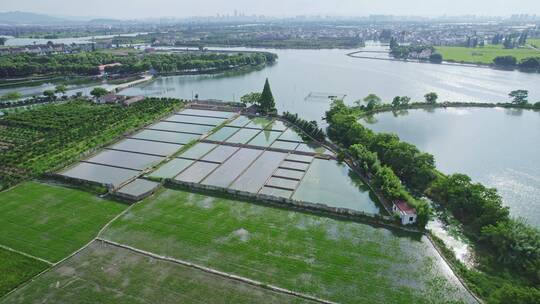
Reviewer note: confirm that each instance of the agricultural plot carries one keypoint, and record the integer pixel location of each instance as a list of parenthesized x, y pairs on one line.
[(334, 185), (484, 55), (138, 188), (51, 222), (267, 164), (100, 174), (122, 162), (342, 261), (51, 136), (103, 273), (16, 269)]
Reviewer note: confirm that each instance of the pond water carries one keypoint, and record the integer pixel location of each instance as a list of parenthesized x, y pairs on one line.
[(100, 173), (254, 178), (147, 147), (125, 160), (497, 147), (172, 168), (333, 184), (331, 72), (232, 168), (171, 137)]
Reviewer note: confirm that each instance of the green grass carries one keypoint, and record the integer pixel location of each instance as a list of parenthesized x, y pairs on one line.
[(16, 269), (534, 42), (341, 261), (106, 274), (51, 222), (483, 55)]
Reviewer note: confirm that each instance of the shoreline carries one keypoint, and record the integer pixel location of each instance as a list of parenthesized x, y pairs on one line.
[(444, 62)]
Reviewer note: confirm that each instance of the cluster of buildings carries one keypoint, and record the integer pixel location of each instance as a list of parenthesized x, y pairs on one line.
[(55, 48), (458, 34)]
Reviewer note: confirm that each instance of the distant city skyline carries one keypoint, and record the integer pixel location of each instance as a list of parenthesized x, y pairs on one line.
[(141, 9)]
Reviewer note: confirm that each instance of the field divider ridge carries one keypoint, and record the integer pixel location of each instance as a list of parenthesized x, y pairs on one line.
[(218, 273), (26, 255)]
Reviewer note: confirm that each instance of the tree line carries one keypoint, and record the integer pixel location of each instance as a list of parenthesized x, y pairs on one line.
[(309, 127), (529, 63), (86, 63)]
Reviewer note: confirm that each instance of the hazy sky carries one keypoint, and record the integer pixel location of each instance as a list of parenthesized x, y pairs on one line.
[(183, 8)]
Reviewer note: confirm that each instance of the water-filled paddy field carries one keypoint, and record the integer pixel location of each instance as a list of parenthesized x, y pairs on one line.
[(258, 155)]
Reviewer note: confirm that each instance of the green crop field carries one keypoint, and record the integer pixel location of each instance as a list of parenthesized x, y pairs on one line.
[(103, 273), (534, 42), (51, 222), (483, 55), (16, 269), (336, 260)]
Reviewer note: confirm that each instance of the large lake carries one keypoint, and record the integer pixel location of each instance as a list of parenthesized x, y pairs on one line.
[(497, 147), (301, 72)]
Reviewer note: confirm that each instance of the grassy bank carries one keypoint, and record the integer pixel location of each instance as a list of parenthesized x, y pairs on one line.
[(483, 55), (336, 260)]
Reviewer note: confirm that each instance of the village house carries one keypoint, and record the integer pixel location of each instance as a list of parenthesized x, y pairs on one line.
[(132, 100), (406, 213), (110, 98)]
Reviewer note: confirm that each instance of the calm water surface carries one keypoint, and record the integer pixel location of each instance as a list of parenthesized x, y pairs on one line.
[(497, 147), (301, 72)]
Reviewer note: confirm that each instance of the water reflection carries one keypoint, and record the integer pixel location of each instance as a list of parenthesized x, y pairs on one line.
[(497, 147)]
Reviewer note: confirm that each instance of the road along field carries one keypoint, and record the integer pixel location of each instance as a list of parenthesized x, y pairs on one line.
[(335, 260), (49, 221), (17, 268), (103, 273), (483, 55)]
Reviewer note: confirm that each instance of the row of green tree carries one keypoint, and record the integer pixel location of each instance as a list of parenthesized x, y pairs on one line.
[(86, 63), (383, 157), (529, 63), (510, 244), (263, 102), (405, 51), (171, 63), (309, 127)]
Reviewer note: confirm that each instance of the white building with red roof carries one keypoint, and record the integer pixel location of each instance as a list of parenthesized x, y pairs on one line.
[(405, 212)]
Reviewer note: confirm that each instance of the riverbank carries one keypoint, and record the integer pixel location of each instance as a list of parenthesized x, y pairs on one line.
[(444, 62), (450, 63), (423, 105)]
